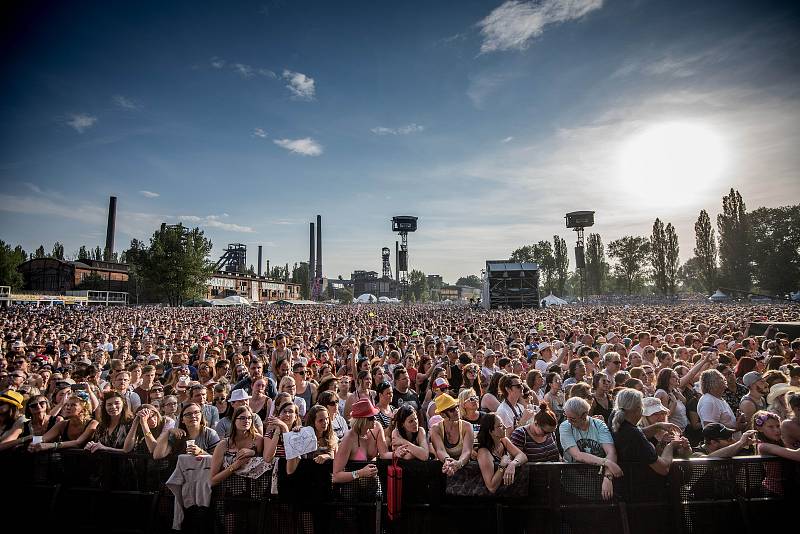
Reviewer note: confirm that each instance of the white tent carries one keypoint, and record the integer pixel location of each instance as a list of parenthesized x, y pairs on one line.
[(366, 298), (719, 296), (233, 300), (552, 300), (383, 300)]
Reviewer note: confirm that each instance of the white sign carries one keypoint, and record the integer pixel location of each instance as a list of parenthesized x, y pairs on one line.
[(300, 442)]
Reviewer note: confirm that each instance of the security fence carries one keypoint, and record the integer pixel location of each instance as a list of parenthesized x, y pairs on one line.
[(113, 492)]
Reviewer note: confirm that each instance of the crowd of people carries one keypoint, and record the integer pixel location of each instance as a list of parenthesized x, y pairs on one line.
[(606, 386)]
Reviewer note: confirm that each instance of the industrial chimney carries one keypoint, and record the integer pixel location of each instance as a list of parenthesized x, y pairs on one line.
[(319, 247), (311, 263), (259, 260), (112, 221)]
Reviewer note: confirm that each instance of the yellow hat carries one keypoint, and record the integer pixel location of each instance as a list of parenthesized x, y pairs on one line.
[(444, 402), (12, 397)]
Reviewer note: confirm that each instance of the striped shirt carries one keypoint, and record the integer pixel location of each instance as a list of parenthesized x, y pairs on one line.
[(547, 451)]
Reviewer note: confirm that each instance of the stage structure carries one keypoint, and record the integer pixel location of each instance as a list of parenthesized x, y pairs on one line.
[(510, 285), (403, 224), (578, 220)]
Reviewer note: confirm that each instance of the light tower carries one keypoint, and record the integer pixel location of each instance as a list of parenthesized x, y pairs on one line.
[(387, 268), (578, 220), (403, 224)]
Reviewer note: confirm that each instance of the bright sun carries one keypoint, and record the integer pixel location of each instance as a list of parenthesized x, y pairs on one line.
[(669, 160)]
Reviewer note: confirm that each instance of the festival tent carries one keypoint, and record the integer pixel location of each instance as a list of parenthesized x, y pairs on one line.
[(719, 296), (384, 300), (552, 300), (366, 298), (233, 300)]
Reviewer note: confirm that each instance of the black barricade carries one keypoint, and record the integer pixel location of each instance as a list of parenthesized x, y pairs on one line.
[(112, 492)]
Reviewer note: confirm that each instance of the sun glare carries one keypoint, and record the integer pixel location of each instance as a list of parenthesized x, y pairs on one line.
[(668, 161)]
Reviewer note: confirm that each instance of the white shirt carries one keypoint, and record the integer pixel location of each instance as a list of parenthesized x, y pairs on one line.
[(712, 409), (508, 415)]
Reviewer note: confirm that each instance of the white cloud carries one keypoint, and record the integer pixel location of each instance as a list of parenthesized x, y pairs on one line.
[(81, 122), (304, 147), (214, 221), (268, 73), (512, 25), (403, 130), (149, 194), (125, 102), (259, 132), (217, 63), (507, 139), (245, 71), (301, 86)]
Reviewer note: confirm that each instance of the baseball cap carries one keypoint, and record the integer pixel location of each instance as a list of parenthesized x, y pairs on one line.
[(717, 431), (751, 378)]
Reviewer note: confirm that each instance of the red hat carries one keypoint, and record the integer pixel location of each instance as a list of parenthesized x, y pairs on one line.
[(363, 408), (205, 338), (440, 383)]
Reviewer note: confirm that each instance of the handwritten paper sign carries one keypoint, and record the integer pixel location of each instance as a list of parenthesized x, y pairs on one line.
[(299, 443)]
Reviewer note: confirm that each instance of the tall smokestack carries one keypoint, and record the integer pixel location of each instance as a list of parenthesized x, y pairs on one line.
[(397, 261), (259, 260), (112, 221), (319, 247), (311, 255)]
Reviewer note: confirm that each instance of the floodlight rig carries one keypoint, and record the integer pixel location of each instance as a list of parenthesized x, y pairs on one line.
[(403, 224), (578, 220)]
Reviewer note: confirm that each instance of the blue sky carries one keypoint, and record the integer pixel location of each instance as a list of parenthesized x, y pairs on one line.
[(487, 120)]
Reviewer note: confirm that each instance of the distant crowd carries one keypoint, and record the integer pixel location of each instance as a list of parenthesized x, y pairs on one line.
[(606, 386)]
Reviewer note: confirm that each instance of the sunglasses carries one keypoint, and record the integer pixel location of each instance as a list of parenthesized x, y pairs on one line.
[(473, 399), (40, 404)]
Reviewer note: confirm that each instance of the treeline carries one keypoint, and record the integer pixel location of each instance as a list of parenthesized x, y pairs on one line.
[(756, 251)]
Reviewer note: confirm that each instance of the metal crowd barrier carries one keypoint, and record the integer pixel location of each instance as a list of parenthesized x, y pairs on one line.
[(111, 492)]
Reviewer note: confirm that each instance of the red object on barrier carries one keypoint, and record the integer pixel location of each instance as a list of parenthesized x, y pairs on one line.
[(394, 492)]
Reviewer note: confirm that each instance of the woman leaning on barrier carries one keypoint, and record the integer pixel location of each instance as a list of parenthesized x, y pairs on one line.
[(75, 430), (115, 420), (768, 433), (191, 437), (498, 458), (536, 439), (452, 439), (630, 440), (11, 420), (407, 436), (364, 442), (147, 426), (236, 461)]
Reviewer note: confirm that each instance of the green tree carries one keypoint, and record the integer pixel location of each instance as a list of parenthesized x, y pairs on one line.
[(596, 264), (560, 263), (470, 281), (540, 253), (631, 253), (734, 244), (705, 250), (39, 252), (97, 254), (9, 261), (690, 275), (671, 259), (58, 251), (175, 263), (418, 285), (658, 256), (344, 296), (300, 276), (83, 254), (776, 248)]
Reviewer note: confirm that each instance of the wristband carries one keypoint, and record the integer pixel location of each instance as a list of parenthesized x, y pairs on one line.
[(609, 476), (355, 475)]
